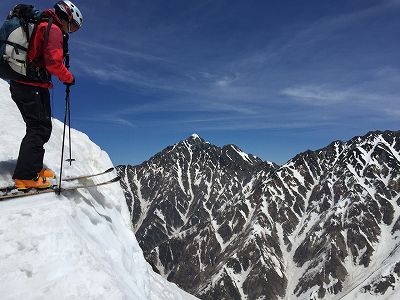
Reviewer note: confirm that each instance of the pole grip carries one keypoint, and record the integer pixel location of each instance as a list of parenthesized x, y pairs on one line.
[(66, 61)]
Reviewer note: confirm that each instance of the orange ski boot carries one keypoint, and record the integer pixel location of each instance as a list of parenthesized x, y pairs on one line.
[(36, 183), (47, 173)]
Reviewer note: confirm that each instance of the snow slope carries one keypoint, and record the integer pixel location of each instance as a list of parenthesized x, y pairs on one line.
[(76, 246)]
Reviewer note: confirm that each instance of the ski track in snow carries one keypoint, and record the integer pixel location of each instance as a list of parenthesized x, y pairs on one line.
[(76, 246)]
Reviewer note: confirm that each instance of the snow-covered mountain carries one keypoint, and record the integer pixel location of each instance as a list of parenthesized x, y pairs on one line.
[(76, 246), (223, 224)]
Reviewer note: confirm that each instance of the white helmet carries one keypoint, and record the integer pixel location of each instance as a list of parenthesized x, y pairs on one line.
[(68, 11)]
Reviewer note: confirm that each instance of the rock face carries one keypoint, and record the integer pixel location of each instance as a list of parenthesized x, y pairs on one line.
[(223, 224)]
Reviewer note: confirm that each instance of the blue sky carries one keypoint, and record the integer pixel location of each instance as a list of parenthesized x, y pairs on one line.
[(273, 77)]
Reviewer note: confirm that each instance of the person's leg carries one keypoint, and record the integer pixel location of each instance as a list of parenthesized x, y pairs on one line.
[(34, 105)]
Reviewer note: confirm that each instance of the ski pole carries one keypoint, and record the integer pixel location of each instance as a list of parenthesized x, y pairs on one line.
[(68, 107), (67, 112), (67, 91), (70, 160)]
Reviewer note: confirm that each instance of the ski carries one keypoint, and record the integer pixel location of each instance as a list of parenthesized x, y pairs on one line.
[(53, 189), (6, 189), (88, 176)]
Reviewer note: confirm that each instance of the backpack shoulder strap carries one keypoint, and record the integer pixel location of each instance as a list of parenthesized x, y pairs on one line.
[(47, 33)]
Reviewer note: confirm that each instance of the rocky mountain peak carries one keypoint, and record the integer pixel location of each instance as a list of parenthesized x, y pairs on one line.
[(223, 224), (195, 139)]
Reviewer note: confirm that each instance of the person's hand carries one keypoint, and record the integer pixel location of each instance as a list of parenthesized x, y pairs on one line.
[(71, 83)]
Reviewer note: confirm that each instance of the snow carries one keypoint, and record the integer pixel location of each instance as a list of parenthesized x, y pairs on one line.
[(245, 156), (79, 245), (179, 175)]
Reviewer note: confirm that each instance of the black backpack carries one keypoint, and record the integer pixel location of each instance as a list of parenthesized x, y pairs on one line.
[(15, 36)]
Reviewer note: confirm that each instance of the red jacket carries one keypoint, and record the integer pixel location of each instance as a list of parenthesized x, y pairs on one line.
[(49, 54)]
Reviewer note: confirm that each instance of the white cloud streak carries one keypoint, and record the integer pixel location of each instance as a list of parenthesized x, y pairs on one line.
[(117, 51), (315, 95), (362, 99)]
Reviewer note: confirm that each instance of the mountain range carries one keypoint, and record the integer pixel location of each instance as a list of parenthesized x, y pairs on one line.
[(223, 224)]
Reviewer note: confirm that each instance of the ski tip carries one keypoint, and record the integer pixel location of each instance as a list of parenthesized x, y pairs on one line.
[(7, 189)]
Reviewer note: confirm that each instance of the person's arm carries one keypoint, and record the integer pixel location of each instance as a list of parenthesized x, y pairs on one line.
[(53, 56)]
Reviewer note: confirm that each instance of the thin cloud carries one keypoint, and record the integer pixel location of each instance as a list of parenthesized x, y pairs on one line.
[(196, 96), (109, 118), (315, 95), (387, 73), (118, 74), (118, 51), (340, 100), (325, 27), (293, 40), (260, 124), (393, 113)]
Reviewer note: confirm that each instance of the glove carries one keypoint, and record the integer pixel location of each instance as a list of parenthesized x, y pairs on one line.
[(71, 83)]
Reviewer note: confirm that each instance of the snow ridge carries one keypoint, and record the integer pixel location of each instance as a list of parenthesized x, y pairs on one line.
[(76, 246)]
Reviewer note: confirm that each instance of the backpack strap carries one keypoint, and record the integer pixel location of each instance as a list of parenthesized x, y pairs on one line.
[(16, 46), (25, 26), (40, 74), (47, 33)]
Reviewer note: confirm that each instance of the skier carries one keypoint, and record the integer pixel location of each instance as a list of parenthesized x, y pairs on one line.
[(46, 52)]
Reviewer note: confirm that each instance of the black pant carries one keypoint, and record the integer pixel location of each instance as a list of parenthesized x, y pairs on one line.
[(34, 105)]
